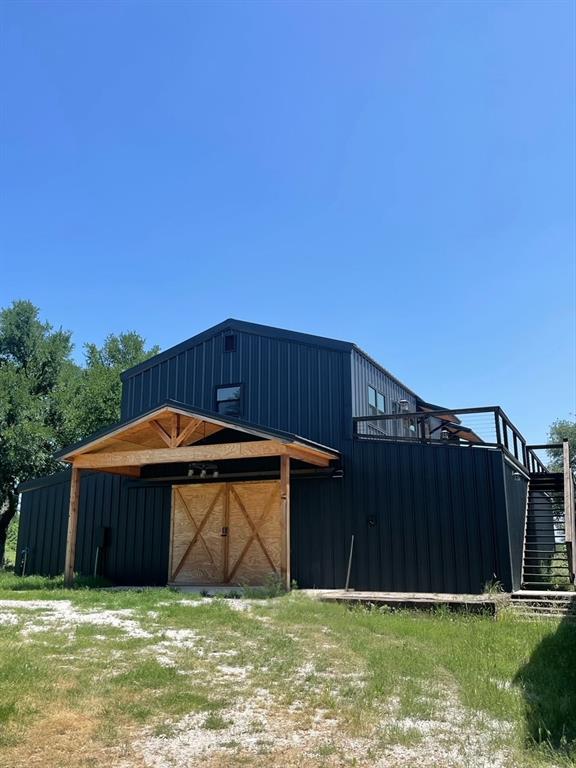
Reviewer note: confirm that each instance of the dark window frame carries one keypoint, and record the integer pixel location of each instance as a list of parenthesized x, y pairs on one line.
[(375, 410), (237, 385), (229, 342)]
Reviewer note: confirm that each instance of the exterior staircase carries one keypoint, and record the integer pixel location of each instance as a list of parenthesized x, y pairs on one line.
[(545, 604), (547, 557)]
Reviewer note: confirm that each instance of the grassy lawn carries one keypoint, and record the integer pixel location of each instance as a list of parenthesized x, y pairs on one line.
[(156, 678)]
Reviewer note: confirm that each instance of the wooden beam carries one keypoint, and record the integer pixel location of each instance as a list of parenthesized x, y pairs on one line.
[(193, 453), (174, 429), (159, 429), (72, 527), (124, 471), (285, 518), (309, 455), (188, 431)]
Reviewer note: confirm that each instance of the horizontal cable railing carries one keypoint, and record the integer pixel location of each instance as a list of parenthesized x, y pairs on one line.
[(487, 426)]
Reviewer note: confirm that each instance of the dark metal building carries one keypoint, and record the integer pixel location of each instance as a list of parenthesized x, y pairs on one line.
[(432, 506)]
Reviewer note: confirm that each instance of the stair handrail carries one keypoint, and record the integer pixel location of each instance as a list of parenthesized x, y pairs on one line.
[(569, 511)]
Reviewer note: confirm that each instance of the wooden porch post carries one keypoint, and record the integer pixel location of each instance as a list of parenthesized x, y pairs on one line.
[(285, 511), (72, 527)]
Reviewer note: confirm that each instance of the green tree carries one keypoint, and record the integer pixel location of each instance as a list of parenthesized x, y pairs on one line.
[(47, 401), (562, 429), (97, 391), (33, 357)]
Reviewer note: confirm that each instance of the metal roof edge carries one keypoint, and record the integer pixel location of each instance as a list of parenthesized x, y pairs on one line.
[(240, 325), (385, 371), (41, 482)]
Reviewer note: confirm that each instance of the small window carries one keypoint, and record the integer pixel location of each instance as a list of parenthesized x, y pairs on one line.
[(229, 343), (228, 400), (372, 400), (376, 402)]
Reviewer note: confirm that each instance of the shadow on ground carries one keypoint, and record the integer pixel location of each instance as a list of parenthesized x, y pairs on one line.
[(548, 683)]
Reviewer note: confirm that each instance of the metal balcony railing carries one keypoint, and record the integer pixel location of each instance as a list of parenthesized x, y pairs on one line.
[(486, 426)]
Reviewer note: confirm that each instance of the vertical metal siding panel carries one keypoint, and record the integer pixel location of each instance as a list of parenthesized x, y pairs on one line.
[(438, 497), (148, 529), (475, 549), (49, 532), (288, 385), (181, 378), (117, 527), (435, 546), (44, 517), (421, 513), (85, 500), (366, 373), (32, 559), (457, 516), (140, 511), (503, 552), (387, 502), (172, 377), (121, 528), (516, 491), (62, 526)]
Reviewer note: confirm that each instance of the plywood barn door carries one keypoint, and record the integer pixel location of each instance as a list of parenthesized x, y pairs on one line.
[(255, 546), (197, 544), (226, 533)]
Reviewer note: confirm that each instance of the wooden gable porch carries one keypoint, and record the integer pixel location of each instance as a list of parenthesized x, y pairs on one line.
[(219, 531)]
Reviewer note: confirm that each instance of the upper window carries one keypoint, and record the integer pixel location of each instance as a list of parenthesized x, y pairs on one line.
[(228, 400), (376, 402), (229, 342)]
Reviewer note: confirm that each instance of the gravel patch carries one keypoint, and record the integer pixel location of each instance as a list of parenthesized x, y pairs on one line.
[(65, 617), (259, 726)]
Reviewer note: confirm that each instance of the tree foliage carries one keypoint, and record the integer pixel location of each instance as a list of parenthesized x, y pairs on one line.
[(97, 392), (47, 401), (32, 356), (562, 429)]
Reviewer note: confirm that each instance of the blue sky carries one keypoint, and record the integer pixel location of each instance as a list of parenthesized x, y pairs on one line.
[(398, 174)]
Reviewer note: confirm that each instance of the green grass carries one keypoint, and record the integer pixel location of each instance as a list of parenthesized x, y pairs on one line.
[(10, 582), (376, 673)]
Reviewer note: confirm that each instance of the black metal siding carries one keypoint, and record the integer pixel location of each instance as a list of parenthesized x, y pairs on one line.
[(365, 373), (288, 385), (425, 519), (42, 528), (137, 518), (516, 486)]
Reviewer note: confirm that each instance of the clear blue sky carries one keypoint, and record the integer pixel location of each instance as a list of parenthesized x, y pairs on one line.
[(398, 174)]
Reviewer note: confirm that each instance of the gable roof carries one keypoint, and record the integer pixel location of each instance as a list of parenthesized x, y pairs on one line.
[(240, 325), (232, 324), (215, 421)]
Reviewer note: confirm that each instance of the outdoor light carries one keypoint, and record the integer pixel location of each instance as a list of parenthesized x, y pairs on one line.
[(338, 474), (404, 405), (202, 471), (444, 434), (516, 475)]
